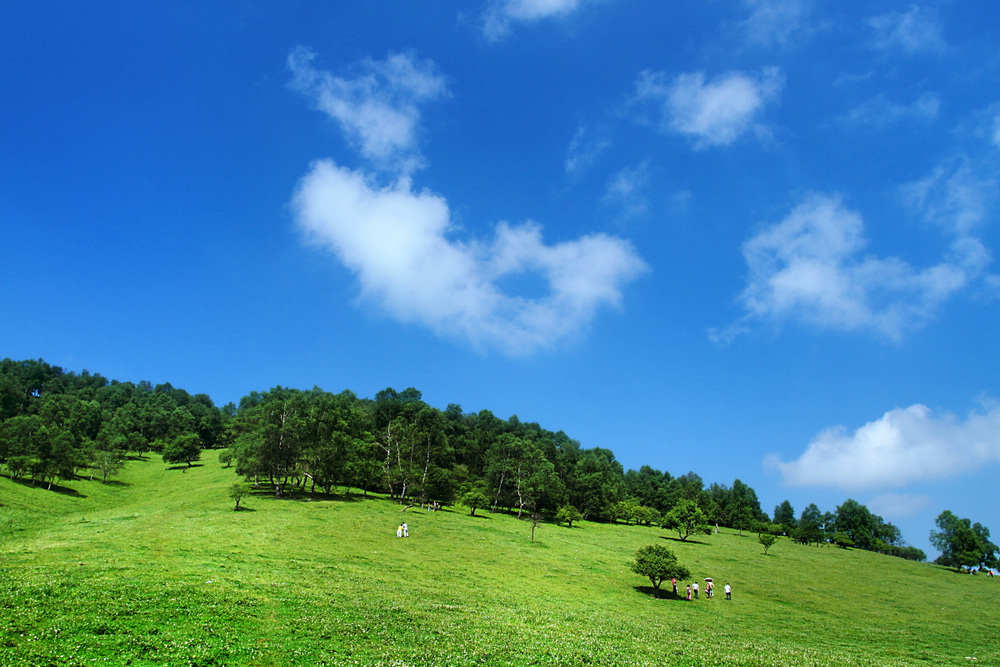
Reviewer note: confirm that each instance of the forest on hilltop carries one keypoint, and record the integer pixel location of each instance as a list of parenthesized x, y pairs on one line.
[(59, 425)]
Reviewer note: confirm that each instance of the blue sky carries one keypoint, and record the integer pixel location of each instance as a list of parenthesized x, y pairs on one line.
[(749, 238)]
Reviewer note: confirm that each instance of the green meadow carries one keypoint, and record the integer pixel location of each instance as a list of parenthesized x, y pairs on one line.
[(156, 568)]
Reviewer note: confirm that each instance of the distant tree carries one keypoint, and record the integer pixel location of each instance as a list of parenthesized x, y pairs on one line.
[(184, 448), (536, 518), (784, 515), (767, 540), (226, 457), (962, 543), (107, 463), (237, 492), (810, 526), (658, 563), (687, 519), (568, 514), (474, 500), (842, 540)]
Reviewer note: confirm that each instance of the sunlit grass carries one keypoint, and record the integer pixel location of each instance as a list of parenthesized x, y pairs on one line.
[(159, 570)]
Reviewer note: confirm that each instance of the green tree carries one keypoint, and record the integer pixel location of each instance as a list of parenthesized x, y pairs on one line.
[(658, 563), (568, 514), (767, 540), (237, 492), (962, 543), (687, 519), (184, 448), (784, 515), (810, 526), (474, 499)]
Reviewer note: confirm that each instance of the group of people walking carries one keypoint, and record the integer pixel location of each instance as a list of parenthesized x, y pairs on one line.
[(693, 589), (403, 530)]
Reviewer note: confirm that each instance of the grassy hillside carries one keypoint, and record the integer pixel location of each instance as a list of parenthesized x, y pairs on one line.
[(157, 569)]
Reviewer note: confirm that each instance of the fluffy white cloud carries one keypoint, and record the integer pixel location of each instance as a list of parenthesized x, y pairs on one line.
[(396, 241), (905, 445), (711, 113), (912, 32), (377, 107), (812, 266), (776, 22), (500, 14)]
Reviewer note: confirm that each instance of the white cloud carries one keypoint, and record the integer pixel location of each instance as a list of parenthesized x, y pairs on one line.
[(812, 266), (905, 445), (627, 191), (776, 22), (377, 108), (500, 14), (396, 241), (898, 505), (879, 112), (912, 32), (711, 113), (583, 151)]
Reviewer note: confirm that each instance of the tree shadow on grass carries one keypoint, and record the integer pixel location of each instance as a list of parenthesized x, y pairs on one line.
[(114, 482), (186, 467), (677, 539), (665, 593), (44, 486), (244, 509)]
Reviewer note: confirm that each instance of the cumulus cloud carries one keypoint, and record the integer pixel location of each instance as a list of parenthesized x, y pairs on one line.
[(905, 445), (776, 22), (377, 107), (401, 243), (879, 112), (398, 242), (710, 112), (913, 32), (812, 266), (500, 14)]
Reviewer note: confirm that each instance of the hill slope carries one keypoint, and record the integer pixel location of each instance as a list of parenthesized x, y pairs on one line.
[(157, 569)]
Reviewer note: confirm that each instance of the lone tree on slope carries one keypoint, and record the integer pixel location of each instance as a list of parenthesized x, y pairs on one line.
[(659, 564)]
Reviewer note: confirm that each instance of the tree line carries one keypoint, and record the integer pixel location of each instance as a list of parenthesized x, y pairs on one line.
[(57, 425)]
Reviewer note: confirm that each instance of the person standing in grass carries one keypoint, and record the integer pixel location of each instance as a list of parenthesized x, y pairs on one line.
[(406, 530), (729, 591), (689, 592), (673, 580), (694, 587), (399, 530)]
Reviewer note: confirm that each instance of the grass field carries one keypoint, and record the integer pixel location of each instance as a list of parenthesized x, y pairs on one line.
[(157, 569)]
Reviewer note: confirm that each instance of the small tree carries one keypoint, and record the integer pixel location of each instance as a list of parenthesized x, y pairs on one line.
[(842, 540), (568, 514), (184, 448), (226, 457), (687, 519), (659, 564), (237, 492), (474, 500), (767, 540), (536, 519)]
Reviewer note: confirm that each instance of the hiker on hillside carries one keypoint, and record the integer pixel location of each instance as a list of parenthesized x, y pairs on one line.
[(694, 587), (729, 591), (399, 530), (406, 530), (673, 580), (689, 592)]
